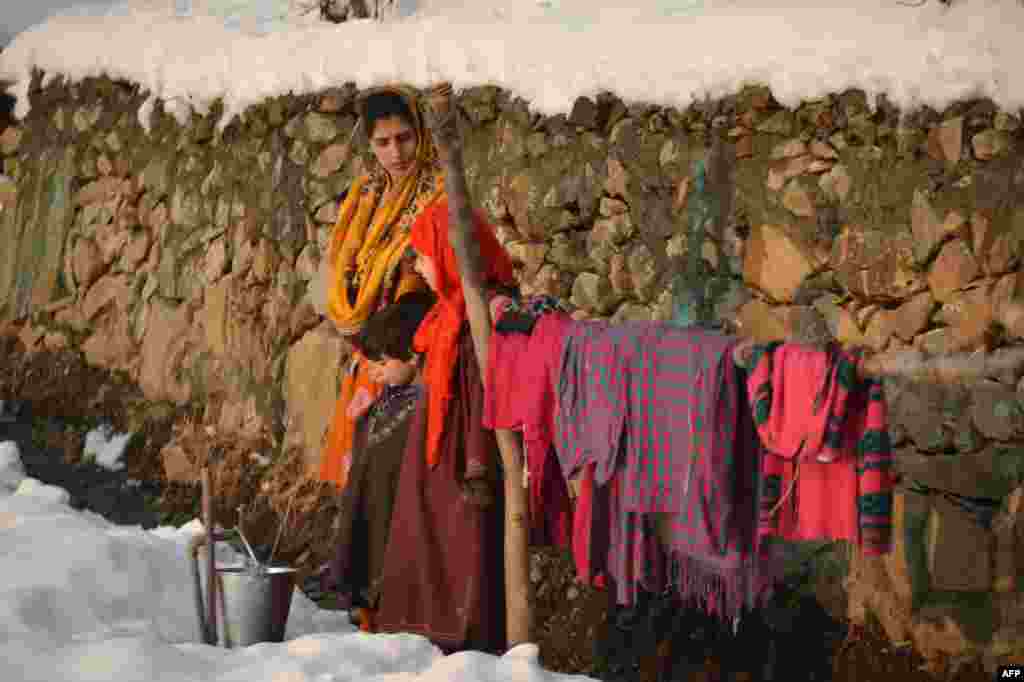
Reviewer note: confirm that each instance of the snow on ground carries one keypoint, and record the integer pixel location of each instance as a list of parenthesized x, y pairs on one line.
[(84, 600), (547, 51), (106, 447)]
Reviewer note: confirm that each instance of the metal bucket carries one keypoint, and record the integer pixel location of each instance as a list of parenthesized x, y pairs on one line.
[(253, 604)]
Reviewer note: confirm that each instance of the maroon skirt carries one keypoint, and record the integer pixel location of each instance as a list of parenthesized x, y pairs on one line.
[(443, 574)]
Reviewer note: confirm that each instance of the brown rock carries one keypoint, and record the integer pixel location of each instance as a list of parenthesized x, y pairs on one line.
[(332, 103), (632, 312), (612, 207), (840, 320), (789, 149), (87, 262), (996, 251), (682, 192), (938, 635), (617, 183), (31, 338), (551, 281), (990, 143), (878, 332), (953, 269), (111, 240), (820, 166), (874, 264), (594, 293), (911, 318), (111, 345), (945, 141), (328, 213), (779, 172), (331, 159), (1003, 256), (972, 330), (775, 262), (643, 272), (265, 261), (56, 341), (10, 140), (1006, 305), (959, 551), (929, 231), (804, 324), (937, 341), (837, 183), (870, 591), (112, 290), (178, 465), (164, 349), (618, 275), (997, 412), (215, 262), (823, 150), (745, 147), (530, 254), (303, 319), (104, 165), (797, 201), (137, 249), (757, 320), (100, 190)]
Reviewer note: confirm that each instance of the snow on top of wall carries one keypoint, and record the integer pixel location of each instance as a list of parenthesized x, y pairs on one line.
[(549, 52)]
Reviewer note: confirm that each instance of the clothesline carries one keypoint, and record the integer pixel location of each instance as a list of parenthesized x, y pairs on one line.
[(690, 450)]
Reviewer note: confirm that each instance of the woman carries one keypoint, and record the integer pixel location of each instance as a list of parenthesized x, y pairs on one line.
[(363, 271), (444, 572), (366, 503)]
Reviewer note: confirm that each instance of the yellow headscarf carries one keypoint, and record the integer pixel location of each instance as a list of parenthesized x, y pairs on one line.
[(371, 235)]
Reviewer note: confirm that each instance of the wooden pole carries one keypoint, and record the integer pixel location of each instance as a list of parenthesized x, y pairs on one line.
[(211, 576), (954, 368), (471, 272)]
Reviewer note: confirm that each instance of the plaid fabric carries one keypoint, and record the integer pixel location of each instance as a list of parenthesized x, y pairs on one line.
[(656, 410), (855, 417)]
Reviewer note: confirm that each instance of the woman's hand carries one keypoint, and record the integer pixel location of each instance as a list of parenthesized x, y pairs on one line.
[(442, 118), (498, 305), (478, 492), (359, 404)]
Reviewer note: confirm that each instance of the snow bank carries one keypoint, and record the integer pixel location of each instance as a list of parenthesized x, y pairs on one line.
[(549, 51), (106, 447), (11, 470), (84, 600)]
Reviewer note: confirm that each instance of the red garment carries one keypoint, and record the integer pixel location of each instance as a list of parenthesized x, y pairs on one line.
[(589, 569), (520, 394), (848, 498), (438, 335), (798, 374)]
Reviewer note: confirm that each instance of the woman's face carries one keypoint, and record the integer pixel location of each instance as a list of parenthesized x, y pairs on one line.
[(425, 267), (394, 144)]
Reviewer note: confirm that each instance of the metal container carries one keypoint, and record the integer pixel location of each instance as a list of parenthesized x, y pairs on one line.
[(253, 603), (256, 602)]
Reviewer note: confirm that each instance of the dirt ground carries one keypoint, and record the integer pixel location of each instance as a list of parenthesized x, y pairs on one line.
[(60, 399)]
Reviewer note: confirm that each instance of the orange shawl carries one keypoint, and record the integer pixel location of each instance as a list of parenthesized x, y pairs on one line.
[(438, 335), (366, 249)]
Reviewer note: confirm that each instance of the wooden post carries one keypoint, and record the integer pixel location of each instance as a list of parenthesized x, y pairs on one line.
[(914, 365), (211, 576), (471, 272)]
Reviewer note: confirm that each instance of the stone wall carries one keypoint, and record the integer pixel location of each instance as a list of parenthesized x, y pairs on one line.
[(182, 256)]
